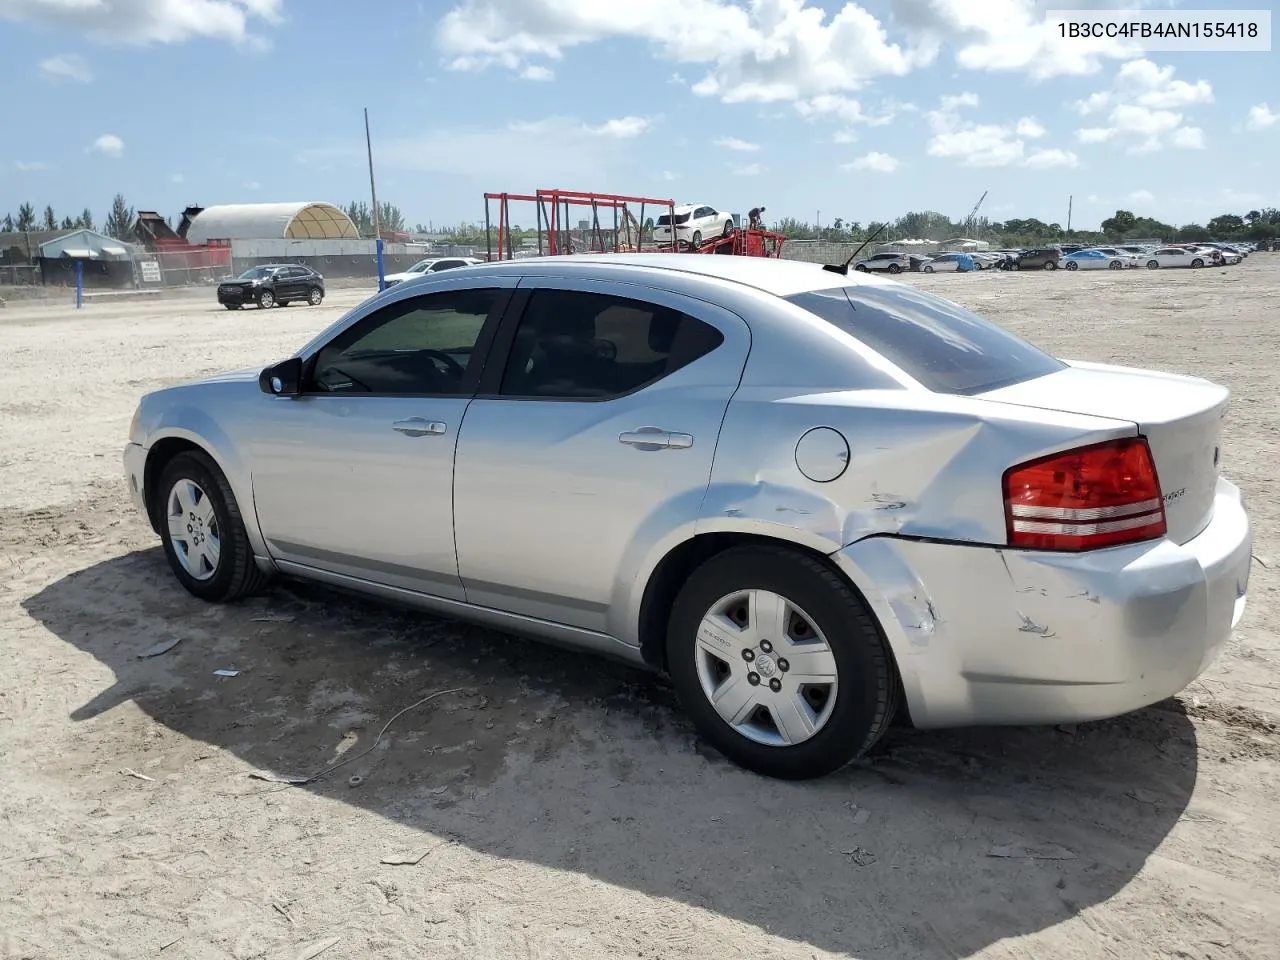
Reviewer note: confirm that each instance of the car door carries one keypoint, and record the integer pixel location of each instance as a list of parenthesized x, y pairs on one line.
[(592, 437), (355, 476), (293, 284)]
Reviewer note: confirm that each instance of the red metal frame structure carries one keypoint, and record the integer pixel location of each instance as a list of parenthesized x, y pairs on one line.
[(553, 209)]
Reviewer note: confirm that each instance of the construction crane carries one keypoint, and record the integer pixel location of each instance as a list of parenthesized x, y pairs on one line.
[(968, 221)]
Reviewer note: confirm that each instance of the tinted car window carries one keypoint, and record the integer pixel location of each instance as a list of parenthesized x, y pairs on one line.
[(421, 345), (571, 344), (940, 344)]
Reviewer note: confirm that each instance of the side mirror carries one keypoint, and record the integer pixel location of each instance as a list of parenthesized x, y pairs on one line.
[(282, 380)]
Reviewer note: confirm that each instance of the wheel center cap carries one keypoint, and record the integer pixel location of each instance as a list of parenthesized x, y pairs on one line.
[(765, 665)]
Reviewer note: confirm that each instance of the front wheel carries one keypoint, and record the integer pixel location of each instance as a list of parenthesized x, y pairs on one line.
[(728, 228), (1072, 265), (861, 268), (779, 663), (266, 300), (1197, 262), (232, 306), (1114, 265), (202, 530)]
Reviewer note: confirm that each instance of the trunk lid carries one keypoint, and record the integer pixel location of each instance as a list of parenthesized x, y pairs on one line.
[(1181, 417)]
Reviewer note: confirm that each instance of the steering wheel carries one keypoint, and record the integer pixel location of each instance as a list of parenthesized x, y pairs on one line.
[(455, 368)]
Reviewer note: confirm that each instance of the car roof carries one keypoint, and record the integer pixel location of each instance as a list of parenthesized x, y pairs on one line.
[(782, 278)]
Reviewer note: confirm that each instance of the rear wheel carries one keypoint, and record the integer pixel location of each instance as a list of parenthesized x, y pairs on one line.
[(779, 663), (696, 240), (232, 306), (202, 530), (928, 269), (1153, 264), (894, 268), (1051, 264), (315, 296)]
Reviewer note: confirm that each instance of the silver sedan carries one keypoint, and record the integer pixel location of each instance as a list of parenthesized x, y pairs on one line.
[(815, 498)]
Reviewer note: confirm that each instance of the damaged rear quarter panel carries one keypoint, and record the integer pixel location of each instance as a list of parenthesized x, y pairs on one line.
[(921, 465)]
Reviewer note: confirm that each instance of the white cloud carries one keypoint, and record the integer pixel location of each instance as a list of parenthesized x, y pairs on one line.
[(252, 185), (988, 144), (65, 66), (623, 128), (877, 162), (149, 21), (844, 136), (1031, 128), (1051, 158), (177, 178), (1094, 198), (569, 151), (668, 175), (751, 170), (1142, 109), (848, 110), (767, 51), (109, 145), (733, 143), (537, 72), (1005, 35), (30, 166), (1261, 117), (1141, 196)]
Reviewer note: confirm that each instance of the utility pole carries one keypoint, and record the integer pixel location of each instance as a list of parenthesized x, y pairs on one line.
[(1070, 199), (377, 226)]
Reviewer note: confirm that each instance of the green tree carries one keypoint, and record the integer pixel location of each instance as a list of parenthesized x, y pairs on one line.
[(390, 217), (26, 218), (50, 218), (121, 219), (1226, 225), (68, 223), (7, 225), (85, 220), (1119, 225)]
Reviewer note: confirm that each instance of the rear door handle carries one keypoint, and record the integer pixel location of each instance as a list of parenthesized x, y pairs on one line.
[(655, 438), (419, 427)]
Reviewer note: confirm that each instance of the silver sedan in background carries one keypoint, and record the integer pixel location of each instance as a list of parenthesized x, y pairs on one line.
[(815, 498)]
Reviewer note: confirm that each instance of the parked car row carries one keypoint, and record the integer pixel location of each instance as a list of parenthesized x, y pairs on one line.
[(1064, 257)]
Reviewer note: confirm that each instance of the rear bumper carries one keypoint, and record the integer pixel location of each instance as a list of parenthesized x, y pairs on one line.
[(993, 636)]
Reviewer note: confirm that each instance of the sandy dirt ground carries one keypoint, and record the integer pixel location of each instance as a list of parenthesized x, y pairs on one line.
[(560, 806)]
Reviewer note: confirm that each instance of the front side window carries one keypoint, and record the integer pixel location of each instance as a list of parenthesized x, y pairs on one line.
[(576, 345), (938, 343), (417, 346)]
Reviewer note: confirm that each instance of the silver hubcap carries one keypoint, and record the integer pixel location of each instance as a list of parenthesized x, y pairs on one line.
[(315, 296), (766, 668), (267, 299), (193, 529)]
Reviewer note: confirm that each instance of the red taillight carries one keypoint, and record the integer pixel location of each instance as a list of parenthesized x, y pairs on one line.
[(1096, 496)]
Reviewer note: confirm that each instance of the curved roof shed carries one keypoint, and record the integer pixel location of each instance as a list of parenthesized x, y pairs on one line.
[(271, 221)]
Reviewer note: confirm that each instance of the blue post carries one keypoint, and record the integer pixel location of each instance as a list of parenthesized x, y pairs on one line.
[(79, 284), (382, 277)]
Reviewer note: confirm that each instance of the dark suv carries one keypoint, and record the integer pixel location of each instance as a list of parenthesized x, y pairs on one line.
[(1045, 258), (272, 285)]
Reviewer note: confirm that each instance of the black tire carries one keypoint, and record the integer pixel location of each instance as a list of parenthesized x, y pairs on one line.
[(237, 575), (1153, 264), (266, 300), (894, 268), (315, 296), (728, 229), (861, 268), (695, 241), (1115, 265), (1072, 265), (867, 694), (929, 269), (1197, 262), (232, 306), (1051, 264)]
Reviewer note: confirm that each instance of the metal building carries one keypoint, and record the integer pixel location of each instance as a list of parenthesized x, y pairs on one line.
[(271, 221)]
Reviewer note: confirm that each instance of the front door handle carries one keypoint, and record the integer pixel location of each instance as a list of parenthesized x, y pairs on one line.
[(419, 427), (655, 438)]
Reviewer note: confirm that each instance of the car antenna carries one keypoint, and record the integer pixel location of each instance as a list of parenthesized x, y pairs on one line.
[(843, 268)]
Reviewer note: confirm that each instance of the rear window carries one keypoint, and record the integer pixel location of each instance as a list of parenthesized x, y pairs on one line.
[(942, 345), (665, 219)]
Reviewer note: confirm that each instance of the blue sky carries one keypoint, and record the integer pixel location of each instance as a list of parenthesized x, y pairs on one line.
[(812, 107)]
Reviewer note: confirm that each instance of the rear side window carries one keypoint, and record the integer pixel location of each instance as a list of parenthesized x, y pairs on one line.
[(945, 347), (576, 345)]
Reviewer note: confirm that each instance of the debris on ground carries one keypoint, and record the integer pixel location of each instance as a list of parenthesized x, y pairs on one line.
[(226, 673), (137, 776), (1049, 851), (164, 646)]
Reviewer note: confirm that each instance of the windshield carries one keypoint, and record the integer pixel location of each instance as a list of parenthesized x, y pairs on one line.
[(940, 344), (257, 273), (421, 267)]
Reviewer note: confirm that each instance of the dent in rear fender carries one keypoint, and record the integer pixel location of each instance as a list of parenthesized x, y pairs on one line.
[(193, 424), (920, 465)]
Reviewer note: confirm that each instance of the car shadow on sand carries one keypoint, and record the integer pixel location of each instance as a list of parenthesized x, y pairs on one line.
[(938, 846)]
